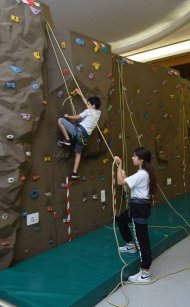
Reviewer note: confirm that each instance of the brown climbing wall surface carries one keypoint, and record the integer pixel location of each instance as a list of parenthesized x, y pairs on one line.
[(157, 99), (53, 164), (21, 109)]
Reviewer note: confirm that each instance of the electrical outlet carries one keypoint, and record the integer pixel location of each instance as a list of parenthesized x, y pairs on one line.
[(103, 196), (169, 181), (32, 219)]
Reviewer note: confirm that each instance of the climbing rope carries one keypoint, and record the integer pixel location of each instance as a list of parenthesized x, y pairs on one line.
[(61, 71), (77, 85), (121, 76), (124, 98)]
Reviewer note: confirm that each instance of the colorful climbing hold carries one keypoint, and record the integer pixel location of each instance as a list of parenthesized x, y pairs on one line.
[(37, 229), (79, 67), (96, 65), (11, 85), (66, 72), (22, 178), (74, 92), (154, 68), (15, 18), (109, 108), (102, 177), (79, 41), (36, 55), (109, 75), (63, 45), (10, 137), (49, 208), (60, 94), (146, 115), (34, 193), (35, 177), (5, 243), (155, 91), (97, 46), (105, 131), (47, 158), (105, 161), (35, 11), (104, 48), (35, 86), (48, 194), (90, 76), (26, 116), (16, 69), (4, 216), (152, 127)]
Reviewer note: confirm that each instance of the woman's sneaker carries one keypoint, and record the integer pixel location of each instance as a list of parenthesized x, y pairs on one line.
[(128, 248), (141, 276)]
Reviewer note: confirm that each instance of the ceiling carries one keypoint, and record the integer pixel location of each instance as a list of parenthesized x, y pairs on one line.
[(130, 26)]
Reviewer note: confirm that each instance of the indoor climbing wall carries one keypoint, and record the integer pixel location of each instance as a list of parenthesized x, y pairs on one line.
[(90, 197), (156, 101), (21, 107)]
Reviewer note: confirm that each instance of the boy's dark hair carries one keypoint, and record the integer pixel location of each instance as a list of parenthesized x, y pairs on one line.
[(96, 101)]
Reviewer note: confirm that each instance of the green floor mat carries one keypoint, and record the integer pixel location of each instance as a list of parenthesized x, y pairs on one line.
[(83, 272)]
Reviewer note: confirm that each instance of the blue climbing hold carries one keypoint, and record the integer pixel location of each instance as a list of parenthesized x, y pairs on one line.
[(34, 193), (11, 85), (80, 41), (23, 214), (104, 49), (16, 69), (35, 86), (79, 67)]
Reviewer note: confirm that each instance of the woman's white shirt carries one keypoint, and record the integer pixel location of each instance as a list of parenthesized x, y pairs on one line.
[(139, 184)]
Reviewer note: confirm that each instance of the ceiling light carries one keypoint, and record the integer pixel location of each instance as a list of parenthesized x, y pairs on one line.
[(160, 53)]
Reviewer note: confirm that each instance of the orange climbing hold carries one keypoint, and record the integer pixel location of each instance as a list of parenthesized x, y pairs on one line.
[(35, 177)]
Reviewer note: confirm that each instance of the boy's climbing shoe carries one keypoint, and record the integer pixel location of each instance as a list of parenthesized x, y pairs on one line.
[(75, 176), (65, 142)]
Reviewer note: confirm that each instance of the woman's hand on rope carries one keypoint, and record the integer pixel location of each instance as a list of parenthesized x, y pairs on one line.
[(117, 160), (66, 115)]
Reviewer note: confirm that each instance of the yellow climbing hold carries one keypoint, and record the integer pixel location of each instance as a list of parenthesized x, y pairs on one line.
[(73, 93), (105, 161), (105, 131), (63, 45), (47, 158), (96, 65), (97, 46), (15, 18), (158, 137), (36, 55)]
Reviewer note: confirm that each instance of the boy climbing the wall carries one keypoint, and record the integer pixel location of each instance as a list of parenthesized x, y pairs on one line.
[(80, 133)]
